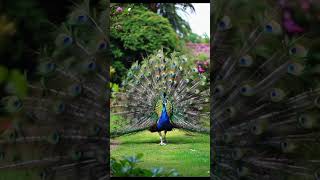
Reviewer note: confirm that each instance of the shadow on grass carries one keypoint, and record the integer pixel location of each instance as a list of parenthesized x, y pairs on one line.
[(173, 140)]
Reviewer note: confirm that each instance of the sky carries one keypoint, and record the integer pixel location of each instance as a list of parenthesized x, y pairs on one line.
[(200, 20)]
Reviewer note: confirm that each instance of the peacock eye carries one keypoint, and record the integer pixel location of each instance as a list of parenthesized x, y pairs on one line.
[(302, 120), (287, 146), (17, 104), (293, 50), (291, 68), (298, 51), (245, 61), (224, 23), (268, 28), (82, 18), (184, 59), (75, 90), (254, 128), (242, 61), (67, 40), (194, 70), (284, 144), (246, 90), (92, 66), (219, 89), (12, 104), (306, 121), (277, 95), (295, 69), (272, 27), (50, 66), (243, 89), (102, 45)]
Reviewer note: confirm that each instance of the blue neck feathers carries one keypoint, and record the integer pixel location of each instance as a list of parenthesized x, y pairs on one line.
[(164, 121)]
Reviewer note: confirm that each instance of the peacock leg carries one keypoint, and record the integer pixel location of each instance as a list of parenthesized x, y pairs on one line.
[(160, 137), (161, 141), (164, 137)]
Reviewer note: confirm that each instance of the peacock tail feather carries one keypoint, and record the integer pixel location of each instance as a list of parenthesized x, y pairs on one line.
[(187, 94), (264, 116), (59, 128)]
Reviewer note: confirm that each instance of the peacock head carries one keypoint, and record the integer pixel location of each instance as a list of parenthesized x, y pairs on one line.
[(164, 98)]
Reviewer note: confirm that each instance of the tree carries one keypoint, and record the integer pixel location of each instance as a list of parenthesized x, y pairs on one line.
[(170, 11)]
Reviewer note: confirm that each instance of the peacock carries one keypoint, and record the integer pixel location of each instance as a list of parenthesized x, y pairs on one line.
[(265, 95), (59, 129), (162, 93)]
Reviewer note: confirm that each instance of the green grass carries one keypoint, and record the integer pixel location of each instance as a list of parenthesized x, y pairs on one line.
[(188, 153)]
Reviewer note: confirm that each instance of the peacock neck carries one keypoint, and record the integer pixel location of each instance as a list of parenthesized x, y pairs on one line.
[(164, 118)]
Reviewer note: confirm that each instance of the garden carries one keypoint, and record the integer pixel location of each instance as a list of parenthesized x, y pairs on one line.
[(137, 32)]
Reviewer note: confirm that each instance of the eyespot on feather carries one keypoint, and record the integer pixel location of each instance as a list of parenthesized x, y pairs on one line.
[(224, 23), (295, 68), (298, 50), (245, 61), (273, 27), (277, 95), (63, 40)]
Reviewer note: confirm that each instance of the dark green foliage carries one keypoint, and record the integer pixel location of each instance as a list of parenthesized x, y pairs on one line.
[(128, 167), (139, 32), (121, 71), (195, 38)]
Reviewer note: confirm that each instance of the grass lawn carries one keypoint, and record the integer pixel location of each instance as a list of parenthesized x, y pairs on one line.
[(188, 153)]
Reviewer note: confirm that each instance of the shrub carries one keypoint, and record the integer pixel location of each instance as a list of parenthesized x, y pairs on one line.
[(128, 167), (119, 71), (142, 30)]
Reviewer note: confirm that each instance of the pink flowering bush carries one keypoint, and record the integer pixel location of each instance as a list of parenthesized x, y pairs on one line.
[(202, 53), (119, 9), (198, 48)]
